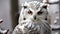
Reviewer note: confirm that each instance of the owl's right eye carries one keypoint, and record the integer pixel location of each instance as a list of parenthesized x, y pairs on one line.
[(30, 12)]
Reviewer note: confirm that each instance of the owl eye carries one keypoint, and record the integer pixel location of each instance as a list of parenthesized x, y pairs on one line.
[(30, 12), (40, 12)]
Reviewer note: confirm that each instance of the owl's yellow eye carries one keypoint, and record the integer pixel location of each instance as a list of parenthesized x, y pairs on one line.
[(30, 12), (40, 12)]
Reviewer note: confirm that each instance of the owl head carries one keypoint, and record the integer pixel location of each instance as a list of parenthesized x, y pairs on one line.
[(34, 11)]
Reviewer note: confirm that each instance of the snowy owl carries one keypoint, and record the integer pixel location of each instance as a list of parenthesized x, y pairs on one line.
[(33, 19)]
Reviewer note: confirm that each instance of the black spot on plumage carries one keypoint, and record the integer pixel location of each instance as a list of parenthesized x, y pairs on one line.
[(24, 18), (25, 7), (45, 7), (45, 18)]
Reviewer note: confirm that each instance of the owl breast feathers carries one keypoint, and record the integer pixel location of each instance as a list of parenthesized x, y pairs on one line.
[(33, 19)]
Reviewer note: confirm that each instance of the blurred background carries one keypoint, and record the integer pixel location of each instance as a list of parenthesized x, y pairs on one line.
[(10, 9)]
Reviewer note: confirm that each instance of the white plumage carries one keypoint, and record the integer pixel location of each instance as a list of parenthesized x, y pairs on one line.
[(33, 19)]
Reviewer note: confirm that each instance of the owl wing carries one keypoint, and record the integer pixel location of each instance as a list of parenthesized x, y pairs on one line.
[(22, 28), (46, 28), (17, 30)]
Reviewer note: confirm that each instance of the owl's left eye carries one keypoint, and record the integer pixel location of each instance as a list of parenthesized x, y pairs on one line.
[(30, 12), (40, 12)]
